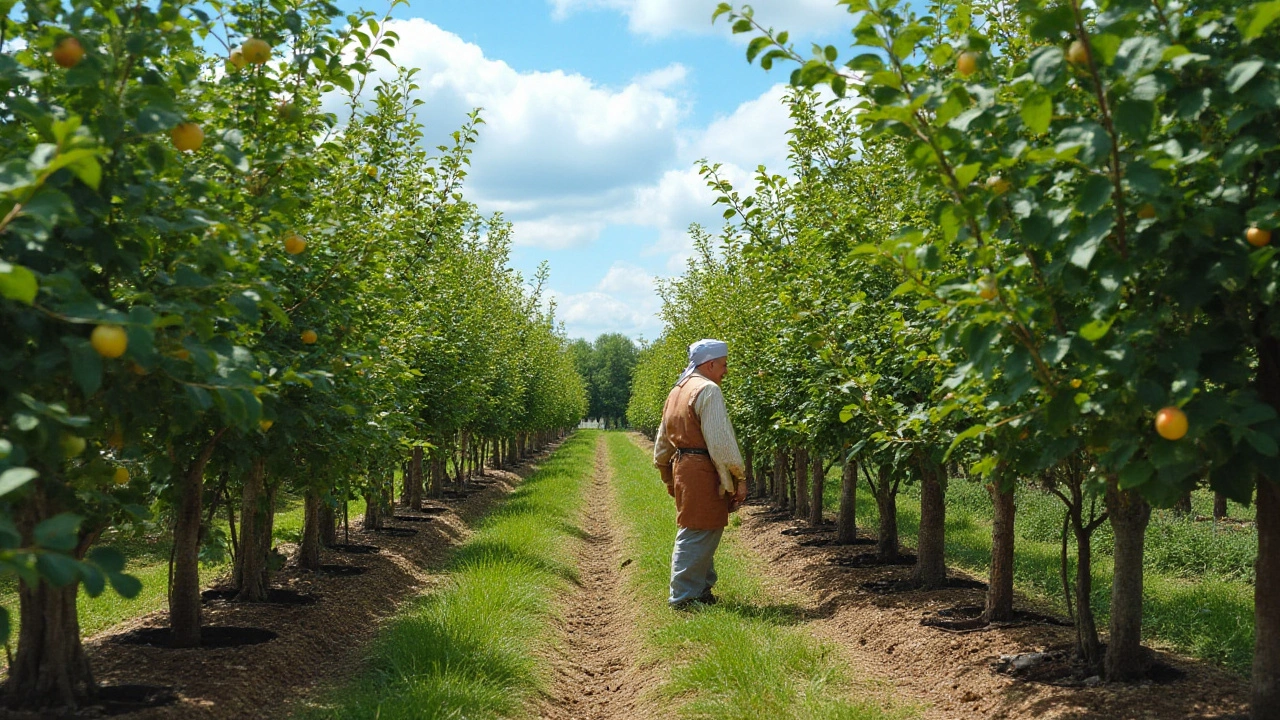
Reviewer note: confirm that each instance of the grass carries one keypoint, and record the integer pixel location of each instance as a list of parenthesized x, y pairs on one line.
[(1198, 591), (743, 658), (470, 648)]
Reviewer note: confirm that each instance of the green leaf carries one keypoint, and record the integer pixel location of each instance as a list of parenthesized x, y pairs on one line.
[(1135, 474), (59, 570), (127, 586), (1255, 20), (1241, 73), (86, 365), (18, 283), (14, 478), (60, 532), (108, 559), (1046, 65), (1135, 118), (966, 173), (969, 433), (1037, 111), (1263, 443), (757, 45), (94, 581), (1085, 244), (1094, 331)]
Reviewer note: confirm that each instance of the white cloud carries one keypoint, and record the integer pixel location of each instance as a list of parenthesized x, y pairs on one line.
[(628, 281), (552, 141), (659, 18), (623, 301), (564, 158), (589, 314)]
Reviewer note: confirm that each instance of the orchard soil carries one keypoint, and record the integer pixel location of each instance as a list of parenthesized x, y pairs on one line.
[(595, 660), (319, 645), (951, 675)]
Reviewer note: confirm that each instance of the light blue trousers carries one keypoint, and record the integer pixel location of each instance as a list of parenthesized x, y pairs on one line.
[(693, 564)]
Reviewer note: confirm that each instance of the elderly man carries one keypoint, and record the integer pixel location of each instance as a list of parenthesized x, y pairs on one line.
[(698, 456)]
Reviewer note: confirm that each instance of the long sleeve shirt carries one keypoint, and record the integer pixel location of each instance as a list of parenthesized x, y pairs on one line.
[(722, 444)]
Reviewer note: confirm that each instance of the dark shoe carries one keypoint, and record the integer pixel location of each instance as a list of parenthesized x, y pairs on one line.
[(707, 598), (684, 605)]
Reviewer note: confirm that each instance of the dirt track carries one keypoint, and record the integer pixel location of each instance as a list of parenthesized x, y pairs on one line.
[(597, 675)]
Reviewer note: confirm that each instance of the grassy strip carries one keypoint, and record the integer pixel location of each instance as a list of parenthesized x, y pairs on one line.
[(1197, 598), (740, 658), (469, 649)]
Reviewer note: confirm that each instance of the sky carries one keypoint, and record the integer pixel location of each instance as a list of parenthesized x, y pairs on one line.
[(596, 113)]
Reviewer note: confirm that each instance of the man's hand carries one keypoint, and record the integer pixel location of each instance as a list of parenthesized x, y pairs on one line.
[(739, 496)]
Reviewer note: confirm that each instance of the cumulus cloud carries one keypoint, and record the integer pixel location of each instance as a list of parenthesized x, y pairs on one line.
[(553, 142), (623, 301), (659, 18), (564, 158)]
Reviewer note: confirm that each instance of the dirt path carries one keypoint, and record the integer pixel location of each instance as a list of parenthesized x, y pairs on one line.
[(949, 675), (597, 675), (318, 645)]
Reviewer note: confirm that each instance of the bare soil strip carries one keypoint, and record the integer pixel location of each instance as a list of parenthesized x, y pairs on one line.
[(318, 645), (950, 675), (597, 675)]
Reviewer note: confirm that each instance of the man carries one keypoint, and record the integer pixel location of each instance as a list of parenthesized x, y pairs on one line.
[(697, 454)]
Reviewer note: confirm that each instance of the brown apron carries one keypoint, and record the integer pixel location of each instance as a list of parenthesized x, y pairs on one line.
[(700, 503)]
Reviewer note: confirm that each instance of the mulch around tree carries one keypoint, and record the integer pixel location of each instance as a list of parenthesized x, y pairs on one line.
[(956, 676), (315, 646)]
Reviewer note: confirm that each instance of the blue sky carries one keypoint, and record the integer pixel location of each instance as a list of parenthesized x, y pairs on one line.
[(596, 112)]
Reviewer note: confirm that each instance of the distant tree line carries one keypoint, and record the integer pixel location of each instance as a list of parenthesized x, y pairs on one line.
[(606, 366)]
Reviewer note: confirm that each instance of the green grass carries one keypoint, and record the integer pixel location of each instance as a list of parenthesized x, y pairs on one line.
[(147, 557), (1198, 591), (743, 658), (470, 648)]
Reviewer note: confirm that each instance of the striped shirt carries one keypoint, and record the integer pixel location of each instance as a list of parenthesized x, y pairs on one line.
[(722, 444)]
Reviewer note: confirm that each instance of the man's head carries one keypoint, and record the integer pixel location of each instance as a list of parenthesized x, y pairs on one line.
[(709, 357), (714, 370)]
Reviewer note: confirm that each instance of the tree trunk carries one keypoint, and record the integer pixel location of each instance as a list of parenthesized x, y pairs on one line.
[(999, 606), (309, 552), (50, 668), (887, 502), (1126, 658), (1219, 506), (184, 588), (327, 522), (406, 482), (415, 479), (372, 512), (751, 470), (251, 573), (437, 477), (779, 478), (815, 497), (847, 522), (931, 562), (1088, 648), (1266, 599), (801, 465), (1182, 508)]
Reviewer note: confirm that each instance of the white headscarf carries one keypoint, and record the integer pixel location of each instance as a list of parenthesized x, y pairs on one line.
[(703, 351)]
